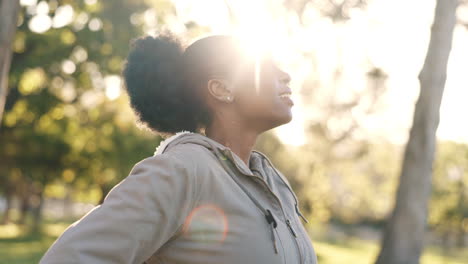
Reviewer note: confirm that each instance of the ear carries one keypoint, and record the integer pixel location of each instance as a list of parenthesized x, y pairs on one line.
[(220, 89)]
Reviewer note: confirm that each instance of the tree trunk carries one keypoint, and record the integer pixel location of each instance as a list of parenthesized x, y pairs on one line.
[(68, 203), (404, 234), (8, 18), (6, 215), (461, 208), (24, 208), (37, 213)]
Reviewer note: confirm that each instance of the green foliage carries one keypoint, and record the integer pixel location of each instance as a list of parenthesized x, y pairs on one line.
[(449, 207), (60, 124)]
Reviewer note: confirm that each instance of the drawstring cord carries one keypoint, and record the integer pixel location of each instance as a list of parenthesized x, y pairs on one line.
[(300, 214), (275, 247), (272, 222), (268, 215)]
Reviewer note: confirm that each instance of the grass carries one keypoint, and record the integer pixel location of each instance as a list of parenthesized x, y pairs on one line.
[(18, 246), (365, 252)]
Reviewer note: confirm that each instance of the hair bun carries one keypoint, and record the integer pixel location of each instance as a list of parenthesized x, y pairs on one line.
[(154, 83)]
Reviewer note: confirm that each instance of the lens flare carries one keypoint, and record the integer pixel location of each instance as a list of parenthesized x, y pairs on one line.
[(257, 75), (206, 223)]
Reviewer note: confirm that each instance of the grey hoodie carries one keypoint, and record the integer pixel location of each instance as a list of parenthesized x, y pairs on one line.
[(193, 202)]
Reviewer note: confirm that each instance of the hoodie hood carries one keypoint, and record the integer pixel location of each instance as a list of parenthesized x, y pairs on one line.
[(184, 137), (257, 160)]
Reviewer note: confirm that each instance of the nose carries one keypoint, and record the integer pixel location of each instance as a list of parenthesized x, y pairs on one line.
[(284, 78)]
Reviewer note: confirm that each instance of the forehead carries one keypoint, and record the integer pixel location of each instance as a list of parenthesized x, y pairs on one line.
[(221, 55)]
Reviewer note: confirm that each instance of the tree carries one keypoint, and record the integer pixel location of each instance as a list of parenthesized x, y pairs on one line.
[(404, 234), (58, 118), (8, 17)]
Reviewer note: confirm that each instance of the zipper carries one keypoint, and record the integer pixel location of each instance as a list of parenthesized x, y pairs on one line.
[(291, 228), (295, 205), (287, 185), (288, 223), (268, 215)]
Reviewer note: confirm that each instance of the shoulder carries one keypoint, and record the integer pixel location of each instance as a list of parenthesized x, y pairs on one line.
[(176, 169), (193, 156), (183, 163), (181, 156)]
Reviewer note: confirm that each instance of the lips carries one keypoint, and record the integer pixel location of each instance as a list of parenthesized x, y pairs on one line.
[(286, 96)]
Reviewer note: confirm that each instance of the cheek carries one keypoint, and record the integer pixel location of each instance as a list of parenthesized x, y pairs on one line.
[(260, 103), (258, 95)]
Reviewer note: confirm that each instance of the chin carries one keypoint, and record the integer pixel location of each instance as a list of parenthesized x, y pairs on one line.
[(284, 119), (277, 118), (288, 119)]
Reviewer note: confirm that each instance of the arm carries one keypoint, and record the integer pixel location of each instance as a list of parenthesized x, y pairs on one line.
[(137, 217)]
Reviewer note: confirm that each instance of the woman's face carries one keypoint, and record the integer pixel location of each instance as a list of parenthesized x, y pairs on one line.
[(262, 94)]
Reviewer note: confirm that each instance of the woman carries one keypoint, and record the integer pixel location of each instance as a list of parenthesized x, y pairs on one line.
[(205, 196)]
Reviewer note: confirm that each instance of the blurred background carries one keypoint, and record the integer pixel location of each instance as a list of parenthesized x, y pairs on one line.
[(67, 134)]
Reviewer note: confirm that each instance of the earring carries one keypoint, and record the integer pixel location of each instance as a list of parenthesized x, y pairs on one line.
[(229, 98)]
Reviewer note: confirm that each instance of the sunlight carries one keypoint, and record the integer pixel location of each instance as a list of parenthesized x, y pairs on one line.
[(40, 23), (68, 67), (10, 231), (257, 32), (260, 33), (314, 48), (253, 47), (28, 2), (63, 16), (113, 84)]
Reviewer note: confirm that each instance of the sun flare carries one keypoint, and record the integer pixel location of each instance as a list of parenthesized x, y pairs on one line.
[(257, 33), (260, 34)]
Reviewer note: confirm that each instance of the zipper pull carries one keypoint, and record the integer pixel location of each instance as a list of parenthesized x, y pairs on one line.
[(291, 228), (299, 213), (270, 219)]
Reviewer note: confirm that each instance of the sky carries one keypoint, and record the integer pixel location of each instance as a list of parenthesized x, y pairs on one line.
[(392, 35)]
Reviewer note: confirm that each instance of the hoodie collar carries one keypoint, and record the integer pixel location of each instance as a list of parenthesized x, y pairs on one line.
[(184, 137)]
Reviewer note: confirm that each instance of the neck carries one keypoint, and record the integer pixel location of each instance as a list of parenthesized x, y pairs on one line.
[(234, 135)]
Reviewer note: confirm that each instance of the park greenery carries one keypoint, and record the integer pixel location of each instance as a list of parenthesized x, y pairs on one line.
[(68, 134)]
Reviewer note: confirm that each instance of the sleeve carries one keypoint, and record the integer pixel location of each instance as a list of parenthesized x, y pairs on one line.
[(136, 218)]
